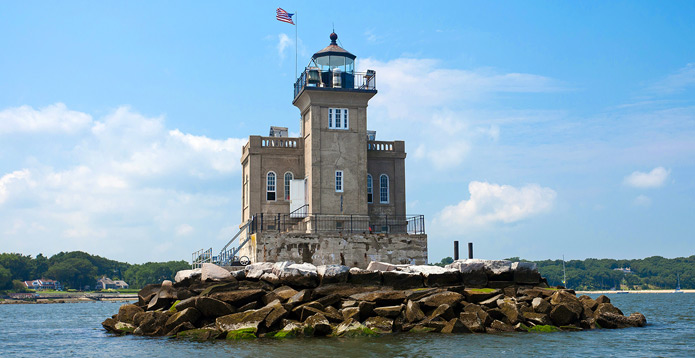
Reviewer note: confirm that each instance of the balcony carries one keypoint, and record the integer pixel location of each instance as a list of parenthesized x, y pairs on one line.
[(312, 77)]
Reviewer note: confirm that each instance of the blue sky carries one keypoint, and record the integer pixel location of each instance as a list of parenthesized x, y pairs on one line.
[(533, 129)]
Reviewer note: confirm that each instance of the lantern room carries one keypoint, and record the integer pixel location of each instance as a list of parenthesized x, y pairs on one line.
[(334, 67)]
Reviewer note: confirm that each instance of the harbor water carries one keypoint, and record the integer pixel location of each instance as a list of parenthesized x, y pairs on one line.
[(74, 330)]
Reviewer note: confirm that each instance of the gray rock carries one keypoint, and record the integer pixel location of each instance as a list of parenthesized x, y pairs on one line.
[(333, 273), (319, 325), (541, 306), (402, 280), (413, 313), (364, 277), (379, 324), (212, 272), (389, 311)]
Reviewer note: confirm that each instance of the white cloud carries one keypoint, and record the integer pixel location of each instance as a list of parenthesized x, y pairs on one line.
[(437, 86), (653, 179), (491, 204), (284, 42), (8, 179), (53, 119), (128, 182), (677, 82)]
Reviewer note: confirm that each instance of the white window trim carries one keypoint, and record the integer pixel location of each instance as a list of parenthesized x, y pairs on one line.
[(342, 181), (344, 118), (286, 184), (275, 186), (370, 189), (388, 184)]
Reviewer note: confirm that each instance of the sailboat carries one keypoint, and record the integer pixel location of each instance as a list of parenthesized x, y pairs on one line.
[(678, 284)]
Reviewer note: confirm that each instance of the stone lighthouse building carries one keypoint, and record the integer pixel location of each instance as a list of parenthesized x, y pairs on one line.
[(334, 194)]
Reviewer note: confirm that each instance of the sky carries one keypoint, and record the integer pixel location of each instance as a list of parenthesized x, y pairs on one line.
[(533, 129)]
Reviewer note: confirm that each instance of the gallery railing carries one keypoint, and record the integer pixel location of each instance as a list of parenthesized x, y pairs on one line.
[(386, 224)]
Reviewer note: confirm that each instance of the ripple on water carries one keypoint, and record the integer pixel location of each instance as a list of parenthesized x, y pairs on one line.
[(74, 330)]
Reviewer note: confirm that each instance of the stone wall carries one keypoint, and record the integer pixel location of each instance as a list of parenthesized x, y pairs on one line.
[(356, 250)]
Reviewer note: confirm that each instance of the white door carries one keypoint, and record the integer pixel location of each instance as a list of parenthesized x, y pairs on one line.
[(297, 199)]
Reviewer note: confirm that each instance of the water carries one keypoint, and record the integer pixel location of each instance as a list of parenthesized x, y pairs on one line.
[(74, 330)]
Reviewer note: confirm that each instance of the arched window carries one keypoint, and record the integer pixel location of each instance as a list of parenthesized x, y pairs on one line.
[(288, 179), (384, 189), (370, 189), (270, 187)]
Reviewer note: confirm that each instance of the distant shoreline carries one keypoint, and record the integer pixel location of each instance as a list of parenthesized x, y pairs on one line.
[(72, 298), (632, 291)]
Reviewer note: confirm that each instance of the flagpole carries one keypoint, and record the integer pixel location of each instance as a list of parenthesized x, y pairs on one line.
[(296, 30)]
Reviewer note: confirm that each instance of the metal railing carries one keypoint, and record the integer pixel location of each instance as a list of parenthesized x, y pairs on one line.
[(200, 257), (280, 142), (380, 146), (387, 224), (312, 77)]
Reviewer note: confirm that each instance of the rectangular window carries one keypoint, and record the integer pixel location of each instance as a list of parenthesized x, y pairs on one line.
[(370, 189), (338, 118), (270, 187), (339, 181)]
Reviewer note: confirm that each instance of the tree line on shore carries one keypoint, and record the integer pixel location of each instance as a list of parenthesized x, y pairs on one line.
[(77, 269), (654, 272)]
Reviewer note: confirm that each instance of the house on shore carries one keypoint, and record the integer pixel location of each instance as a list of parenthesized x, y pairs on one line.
[(106, 283), (43, 284)]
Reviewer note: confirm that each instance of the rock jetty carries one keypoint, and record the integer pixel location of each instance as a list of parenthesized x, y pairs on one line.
[(286, 299)]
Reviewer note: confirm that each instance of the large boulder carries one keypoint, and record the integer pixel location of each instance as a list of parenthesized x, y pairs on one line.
[(152, 323), (402, 280), (541, 306), (276, 314), (212, 307), (351, 327), (318, 325), (189, 315), (379, 324), (564, 314), (332, 273), (220, 287), (381, 266), (146, 294), (127, 311), (438, 299), (282, 294), (455, 325), (389, 311), (444, 311), (187, 275), (499, 270), (536, 318), (297, 275), (240, 297), (256, 270), (299, 297), (526, 273), (612, 320), (381, 297), (212, 272), (607, 308), (510, 310), (413, 313), (472, 322), (252, 319), (472, 272), (435, 276), (358, 276), (475, 295)]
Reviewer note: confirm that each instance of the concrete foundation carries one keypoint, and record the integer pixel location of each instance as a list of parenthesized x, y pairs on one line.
[(356, 250)]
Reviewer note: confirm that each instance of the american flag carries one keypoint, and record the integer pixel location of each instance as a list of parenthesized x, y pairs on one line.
[(283, 16)]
